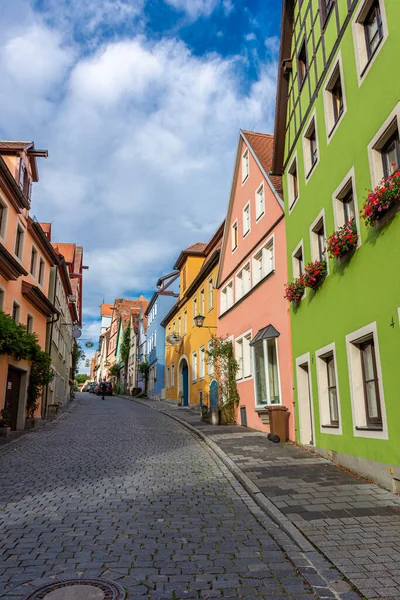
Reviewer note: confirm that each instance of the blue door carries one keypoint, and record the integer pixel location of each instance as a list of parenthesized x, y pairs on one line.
[(185, 384), (213, 394)]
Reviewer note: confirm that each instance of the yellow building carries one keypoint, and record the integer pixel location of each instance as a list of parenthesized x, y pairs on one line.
[(188, 370)]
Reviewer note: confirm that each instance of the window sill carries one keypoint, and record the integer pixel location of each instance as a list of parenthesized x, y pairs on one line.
[(336, 124), (245, 179), (370, 428), (246, 233), (330, 426), (260, 216), (371, 58), (293, 204), (310, 172)]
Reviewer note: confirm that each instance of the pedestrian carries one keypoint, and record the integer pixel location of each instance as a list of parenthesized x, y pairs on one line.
[(103, 388)]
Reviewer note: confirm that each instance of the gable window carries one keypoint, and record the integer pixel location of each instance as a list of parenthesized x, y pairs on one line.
[(246, 220), (263, 262), (390, 155), (41, 271), (245, 166), (302, 65), (34, 255), (260, 202), (19, 242), (310, 146), (194, 366), (3, 217), (293, 184), (234, 236), (16, 310), (29, 324), (369, 32), (210, 294), (184, 279)]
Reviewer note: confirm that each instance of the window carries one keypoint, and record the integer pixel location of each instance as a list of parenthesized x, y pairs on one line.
[(325, 7), (179, 325), (390, 155), (194, 366), (184, 279), (202, 303), (154, 339), (210, 359), (34, 255), (202, 362), (367, 392), (227, 297), (332, 391), (41, 271), (334, 100), (29, 324), (2, 298), (243, 356), (302, 66), (24, 181), (195, 311), (263, 262), (172, 375), (210, 294), (369, 32), (260, 204), (19, 242), (167, 378), (16, 310), (234, 236), (185, 322), (3, 218), (345, 203), (293, 184), (318, 251), (246, 220), (267, 386), (243, 282), (298, 262), (312, 139), (239, 358), (245, 166), (328, 390)]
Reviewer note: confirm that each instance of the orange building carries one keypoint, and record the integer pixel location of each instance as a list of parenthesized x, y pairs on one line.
[(26, 257)]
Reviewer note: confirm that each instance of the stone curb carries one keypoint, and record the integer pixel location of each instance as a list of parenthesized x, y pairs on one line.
[(325, 578)]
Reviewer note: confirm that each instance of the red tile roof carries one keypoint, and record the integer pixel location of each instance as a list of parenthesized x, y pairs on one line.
[(67, 250), (263, 146), (197, 247), (106, 310)]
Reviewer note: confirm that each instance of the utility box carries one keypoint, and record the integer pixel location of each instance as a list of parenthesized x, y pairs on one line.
[(278, 422)]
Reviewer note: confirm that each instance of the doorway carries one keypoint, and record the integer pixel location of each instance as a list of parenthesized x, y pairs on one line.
[(213, 394), (185, 382), (304, 399), (12, 395)]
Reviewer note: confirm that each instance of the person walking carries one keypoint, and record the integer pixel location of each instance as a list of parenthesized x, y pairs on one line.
[(103, 388)]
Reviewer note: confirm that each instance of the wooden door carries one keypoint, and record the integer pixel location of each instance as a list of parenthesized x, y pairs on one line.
[(12, 395)]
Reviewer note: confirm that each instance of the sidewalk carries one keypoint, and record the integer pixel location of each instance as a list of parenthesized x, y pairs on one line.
[(355, 524)]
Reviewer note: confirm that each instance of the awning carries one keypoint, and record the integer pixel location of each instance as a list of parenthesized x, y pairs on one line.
[(265, 333), (36, 297), (10, 267)]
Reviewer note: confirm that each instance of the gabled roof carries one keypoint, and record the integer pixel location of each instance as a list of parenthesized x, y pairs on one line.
[(67, 250), (16, 147), (263, 146), (196, 249), (265, 333), (106, 310)]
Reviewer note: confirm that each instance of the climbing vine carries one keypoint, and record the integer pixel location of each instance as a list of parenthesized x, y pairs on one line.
[(125, 345), (144, 370), (225, 370)]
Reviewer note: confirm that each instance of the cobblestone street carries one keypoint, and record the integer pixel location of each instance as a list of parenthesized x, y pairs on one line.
[(117, 491)]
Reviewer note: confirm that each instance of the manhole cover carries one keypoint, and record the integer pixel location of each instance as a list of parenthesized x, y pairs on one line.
[(79, 589)]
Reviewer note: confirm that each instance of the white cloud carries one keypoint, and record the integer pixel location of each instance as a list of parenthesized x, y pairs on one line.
[(196, 8), (141, 138), (250, 37)]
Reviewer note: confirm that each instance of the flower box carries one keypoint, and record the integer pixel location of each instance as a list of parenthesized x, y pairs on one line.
[(343, 241), (382, 199), (314, 273), (294, 290)]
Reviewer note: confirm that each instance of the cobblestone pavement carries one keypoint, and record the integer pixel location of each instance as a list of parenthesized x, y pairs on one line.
[(120, 492), (354, 523)]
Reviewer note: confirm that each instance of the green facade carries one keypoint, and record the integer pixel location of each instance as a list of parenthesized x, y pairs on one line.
[(365, 288)]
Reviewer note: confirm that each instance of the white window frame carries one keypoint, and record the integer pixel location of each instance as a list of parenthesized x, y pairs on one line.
[(295, 270), (308, 169), (360, 45), (210, 288), (245, 165), (172, 375), (194, 366), (259, 214), (338, 212), (305, 412), (378, 141), (202, 363), (167, 378), (185, 322), (268, 403), (202, 302), (2, 298), (314, 238), (235, 234), (22, 229), (3, 228), (331, 125), (323, 394), (210, 360), (245, 372), (36, 261), (246, 218), (17, 304), (261, 253), (290, 183), (357, 388)]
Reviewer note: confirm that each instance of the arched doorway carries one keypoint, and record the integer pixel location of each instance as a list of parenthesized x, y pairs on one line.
[(213, 393), (184, 381)]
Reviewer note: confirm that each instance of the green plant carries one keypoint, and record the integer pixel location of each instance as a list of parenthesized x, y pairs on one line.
[(125, 345), (144, 370), (114, 371), (77, 356), (314, 273), (294, 290), (41, 375), (382, 198), (81, 378), (342, 240), (225, 371)]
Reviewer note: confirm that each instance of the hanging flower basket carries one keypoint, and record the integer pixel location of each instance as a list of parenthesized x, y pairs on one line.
[(314, 273), (343, 240), (294, 290), (385, 196)]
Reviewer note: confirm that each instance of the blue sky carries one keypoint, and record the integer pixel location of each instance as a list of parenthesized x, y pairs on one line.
[(139, 103)]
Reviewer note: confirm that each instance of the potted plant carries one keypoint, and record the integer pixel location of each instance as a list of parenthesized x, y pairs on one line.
[(5, 422), (294, 290), (382, 199), (342, 241), (314, 273)]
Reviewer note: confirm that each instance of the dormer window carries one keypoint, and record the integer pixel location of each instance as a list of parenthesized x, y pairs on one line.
[(25, 181)]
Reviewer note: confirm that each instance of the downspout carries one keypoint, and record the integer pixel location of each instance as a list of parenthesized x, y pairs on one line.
[(48, 350)]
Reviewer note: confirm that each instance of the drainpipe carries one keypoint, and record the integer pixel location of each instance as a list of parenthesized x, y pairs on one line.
[(48, 349)]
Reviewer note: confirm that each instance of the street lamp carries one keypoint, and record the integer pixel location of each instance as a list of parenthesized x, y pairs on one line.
[(199, 322)]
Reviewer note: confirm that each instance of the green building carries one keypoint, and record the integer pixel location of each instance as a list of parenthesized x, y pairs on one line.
[(337, 136)]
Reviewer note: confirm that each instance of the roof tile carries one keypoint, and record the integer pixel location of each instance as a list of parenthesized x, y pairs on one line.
[(263, 146)]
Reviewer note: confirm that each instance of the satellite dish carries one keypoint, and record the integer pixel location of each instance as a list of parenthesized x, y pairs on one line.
[(174, 338), (76, 332)]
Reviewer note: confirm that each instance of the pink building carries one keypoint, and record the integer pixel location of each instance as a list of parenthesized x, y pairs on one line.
[(251, 279)]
